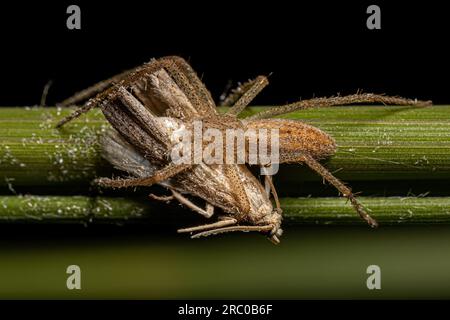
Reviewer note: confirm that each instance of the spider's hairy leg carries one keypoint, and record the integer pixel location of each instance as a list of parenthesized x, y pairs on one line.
[(192, 92), (183, 200), (193, 78), (176, 67), (159, 176), (342, 188), (75, 114), (232, 96), (89, 92), (252, 89), (101, 89), (339, 101)]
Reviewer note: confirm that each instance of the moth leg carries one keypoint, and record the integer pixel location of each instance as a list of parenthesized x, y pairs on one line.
[(183, 200), (268, 183), (159, 176), (244, 94), (342, 188), (215, 225), (339, 101), (161, 198)]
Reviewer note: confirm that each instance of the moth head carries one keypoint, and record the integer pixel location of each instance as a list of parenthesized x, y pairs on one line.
[(275, 235), (274, 220)]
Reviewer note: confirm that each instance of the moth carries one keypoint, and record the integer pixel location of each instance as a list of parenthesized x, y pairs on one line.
[(150, 105)]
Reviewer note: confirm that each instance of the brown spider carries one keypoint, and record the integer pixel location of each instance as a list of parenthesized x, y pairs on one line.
[(148, 104)]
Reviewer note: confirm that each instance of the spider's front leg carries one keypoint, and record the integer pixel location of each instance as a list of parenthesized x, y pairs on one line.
[(102, 86), (181, 72), (240, 97)]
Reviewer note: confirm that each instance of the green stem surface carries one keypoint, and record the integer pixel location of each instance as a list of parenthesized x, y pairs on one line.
[(378, 147), (317, 211), (374, 144)]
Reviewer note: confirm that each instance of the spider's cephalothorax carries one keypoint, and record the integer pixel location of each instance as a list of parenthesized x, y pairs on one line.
[(149, 105)]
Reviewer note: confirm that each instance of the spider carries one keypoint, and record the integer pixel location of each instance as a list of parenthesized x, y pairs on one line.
[(146, 105)]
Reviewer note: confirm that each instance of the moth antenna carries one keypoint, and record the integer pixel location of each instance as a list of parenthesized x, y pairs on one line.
[(232, 229), (274, 239), (45, 93), (218, 224)]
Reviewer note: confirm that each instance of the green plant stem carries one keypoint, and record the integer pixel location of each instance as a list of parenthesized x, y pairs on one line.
[(320, 211), (375, 144)]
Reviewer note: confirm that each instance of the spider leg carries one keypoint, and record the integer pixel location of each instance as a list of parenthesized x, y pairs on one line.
[(339, 101), (195, 96), (101, 90), (75, 114), (159, 176), (192, 77), (342, 188), (246, 93), (215, 225), (183, 200), (229, 99), (177, 67), (93, 90)]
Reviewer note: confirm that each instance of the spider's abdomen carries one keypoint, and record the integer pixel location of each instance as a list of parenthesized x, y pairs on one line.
[(296, 138)]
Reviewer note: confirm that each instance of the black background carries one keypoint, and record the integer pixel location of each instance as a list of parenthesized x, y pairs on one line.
[(312, 48)]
